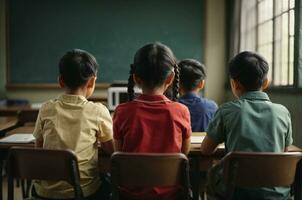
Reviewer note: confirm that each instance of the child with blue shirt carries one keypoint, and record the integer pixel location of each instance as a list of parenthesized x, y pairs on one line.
[(251, 123), (192, 80)]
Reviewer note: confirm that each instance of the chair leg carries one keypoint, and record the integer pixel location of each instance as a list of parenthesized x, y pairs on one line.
[(230, 185), (115, 192), (298, 182), (195, 178), (1, 179), (28, 188), (25, 186), (76, 183), (10, 186)]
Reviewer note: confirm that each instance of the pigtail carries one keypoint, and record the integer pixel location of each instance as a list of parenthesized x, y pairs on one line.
[(131, 84), (176, 83)]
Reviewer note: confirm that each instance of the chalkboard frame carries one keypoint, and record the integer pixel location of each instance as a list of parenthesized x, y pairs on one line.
[(11, 86)]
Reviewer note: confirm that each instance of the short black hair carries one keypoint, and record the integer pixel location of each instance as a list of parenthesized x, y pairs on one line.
[(191, 73), (76, 67), (250, 69)]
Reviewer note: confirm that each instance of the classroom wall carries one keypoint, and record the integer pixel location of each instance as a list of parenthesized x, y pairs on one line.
[(293, 103), (215, 39), (214, 58), (2, 49)]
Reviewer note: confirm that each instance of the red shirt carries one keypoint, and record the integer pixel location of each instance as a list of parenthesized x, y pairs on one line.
[(151, 124)]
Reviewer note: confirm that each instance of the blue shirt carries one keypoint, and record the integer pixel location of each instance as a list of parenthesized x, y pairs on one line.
[(201, 111)]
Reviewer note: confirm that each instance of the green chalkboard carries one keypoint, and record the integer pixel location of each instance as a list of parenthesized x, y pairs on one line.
[(41, 31)]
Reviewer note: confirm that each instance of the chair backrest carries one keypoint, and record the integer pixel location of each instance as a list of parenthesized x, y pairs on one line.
[(43, 164), (245, 169), (149, 170)]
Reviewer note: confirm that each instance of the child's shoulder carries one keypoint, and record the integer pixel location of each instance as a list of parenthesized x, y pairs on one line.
[(234, 105), (48, 104), (96, 105), (129, 106), (279, 108), (126, 106), (96, 108), (176, 107), (210, 102), (176, 104)]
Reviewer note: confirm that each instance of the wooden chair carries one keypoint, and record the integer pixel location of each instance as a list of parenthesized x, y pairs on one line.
[(149, 170), (43, 164), (252, 170)]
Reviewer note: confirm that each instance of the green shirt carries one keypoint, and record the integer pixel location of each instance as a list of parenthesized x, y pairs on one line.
[(253, 123)]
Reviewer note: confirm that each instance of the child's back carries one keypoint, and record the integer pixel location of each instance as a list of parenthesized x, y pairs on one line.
[(192, 80), (72, 122), (201, 111), (252, 123), (152, 123)]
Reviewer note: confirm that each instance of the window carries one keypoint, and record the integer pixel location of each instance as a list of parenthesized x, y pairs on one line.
[(268, 27)]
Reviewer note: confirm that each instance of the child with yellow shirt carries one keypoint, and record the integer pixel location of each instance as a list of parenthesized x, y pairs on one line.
[(73, 122)]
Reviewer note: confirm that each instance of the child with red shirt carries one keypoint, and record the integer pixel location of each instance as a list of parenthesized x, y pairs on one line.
[(151, 123)]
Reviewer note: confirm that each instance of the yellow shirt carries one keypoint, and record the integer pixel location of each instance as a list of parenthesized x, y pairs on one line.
[(73, 122)]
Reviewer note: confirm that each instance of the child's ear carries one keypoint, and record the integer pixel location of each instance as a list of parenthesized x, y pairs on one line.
[(137, 80), (236, 84), (169, 79), (201, 84), (181, 90), (91, 82), (61, 82), (265, 84)]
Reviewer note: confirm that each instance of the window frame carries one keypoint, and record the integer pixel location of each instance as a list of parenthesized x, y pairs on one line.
[(273, 19), (298, 46), (296, 87)]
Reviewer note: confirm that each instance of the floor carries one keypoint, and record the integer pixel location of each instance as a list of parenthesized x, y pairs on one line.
[(17, 190)]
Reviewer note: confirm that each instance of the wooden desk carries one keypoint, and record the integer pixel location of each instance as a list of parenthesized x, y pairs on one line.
[(14, 110), (29, 128), (198, 162), (7, 122)]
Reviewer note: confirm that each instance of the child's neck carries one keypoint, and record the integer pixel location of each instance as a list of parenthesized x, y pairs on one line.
[(156, 91), (79, 91), (195, 91), (243, 92)]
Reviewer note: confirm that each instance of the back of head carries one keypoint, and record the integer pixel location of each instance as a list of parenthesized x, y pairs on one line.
[(76, 67), (191, 72), (153, 63), (250, 69)]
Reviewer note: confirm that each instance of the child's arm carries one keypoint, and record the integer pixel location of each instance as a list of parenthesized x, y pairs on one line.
[(38, 131), (185, 148), (107, 147), (187, 132), (208, 146), (118, 145), (215, 134), (105, 133), (39, 143)]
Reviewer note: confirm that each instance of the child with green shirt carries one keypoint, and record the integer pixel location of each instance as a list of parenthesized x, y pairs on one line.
[(251, 123)]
